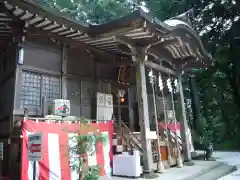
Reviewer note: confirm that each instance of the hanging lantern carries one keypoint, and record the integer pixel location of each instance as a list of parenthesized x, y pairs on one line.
[(176, 85), (122, 100), (169, 85), (160, 82)]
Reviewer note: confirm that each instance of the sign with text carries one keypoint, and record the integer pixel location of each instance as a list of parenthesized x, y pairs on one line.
[(104, 106), (35, 147)]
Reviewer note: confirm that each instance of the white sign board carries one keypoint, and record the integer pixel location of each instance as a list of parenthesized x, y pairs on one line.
[(35, 147), (104, 106), (1, 150)]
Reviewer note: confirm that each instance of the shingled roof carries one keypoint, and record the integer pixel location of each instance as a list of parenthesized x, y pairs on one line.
[(178, 44)]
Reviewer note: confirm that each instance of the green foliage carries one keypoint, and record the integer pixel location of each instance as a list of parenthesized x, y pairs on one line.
[(85, 145), (93, 173), (92, 11), (218, 86)]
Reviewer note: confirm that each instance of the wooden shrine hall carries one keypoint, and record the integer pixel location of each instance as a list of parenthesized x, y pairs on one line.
[(73, 60)]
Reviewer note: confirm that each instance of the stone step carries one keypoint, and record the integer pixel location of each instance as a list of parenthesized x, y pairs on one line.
[(194, 154), (202, 170)]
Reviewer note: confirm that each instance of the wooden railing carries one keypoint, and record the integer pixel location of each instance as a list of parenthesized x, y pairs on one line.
[(131, 139), (173, 136)]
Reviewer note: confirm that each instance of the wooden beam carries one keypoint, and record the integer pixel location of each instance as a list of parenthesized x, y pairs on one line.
[(124, 40), (123, 24), (33, 31), (16, 24), (160, 68), (36, 8), (8, 12)]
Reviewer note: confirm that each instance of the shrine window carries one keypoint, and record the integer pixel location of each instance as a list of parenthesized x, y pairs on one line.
[(51, 87), (37, 85)]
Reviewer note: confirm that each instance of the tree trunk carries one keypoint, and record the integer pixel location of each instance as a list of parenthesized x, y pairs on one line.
[(233, 75), (195, 105)]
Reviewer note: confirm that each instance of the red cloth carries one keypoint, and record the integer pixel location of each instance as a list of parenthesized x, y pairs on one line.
[(171, 126)]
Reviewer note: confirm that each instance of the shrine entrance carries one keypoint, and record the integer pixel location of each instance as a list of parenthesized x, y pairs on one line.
[(124, 114)]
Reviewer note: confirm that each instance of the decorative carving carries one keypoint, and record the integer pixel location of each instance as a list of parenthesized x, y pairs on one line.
[(86, 93), (121, 93)]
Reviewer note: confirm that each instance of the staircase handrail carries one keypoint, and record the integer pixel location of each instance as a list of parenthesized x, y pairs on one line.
[(129, 131)]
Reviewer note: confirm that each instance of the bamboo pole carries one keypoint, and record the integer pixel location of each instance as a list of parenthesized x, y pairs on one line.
[(179, 158), (160, 167), (165, 122)]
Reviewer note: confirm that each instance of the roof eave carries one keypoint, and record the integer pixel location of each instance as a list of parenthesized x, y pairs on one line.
[(35, 7)]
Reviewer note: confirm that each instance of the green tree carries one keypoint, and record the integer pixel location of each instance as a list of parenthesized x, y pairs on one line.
[(92, 11), (217, 22)]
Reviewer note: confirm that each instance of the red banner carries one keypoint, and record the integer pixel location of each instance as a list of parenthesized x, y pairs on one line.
[(57, 159)]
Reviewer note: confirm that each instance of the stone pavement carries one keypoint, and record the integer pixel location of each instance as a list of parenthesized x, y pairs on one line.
[(231, 158), (185, 173)]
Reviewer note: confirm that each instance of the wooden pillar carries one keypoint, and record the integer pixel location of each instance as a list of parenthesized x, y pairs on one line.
[(184, 124), (139, 57), (64, 72), (130, 108)]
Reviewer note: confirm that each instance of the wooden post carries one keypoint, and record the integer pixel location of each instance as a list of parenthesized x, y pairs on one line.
[(130, 108), (139, 57), (64, 72)]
